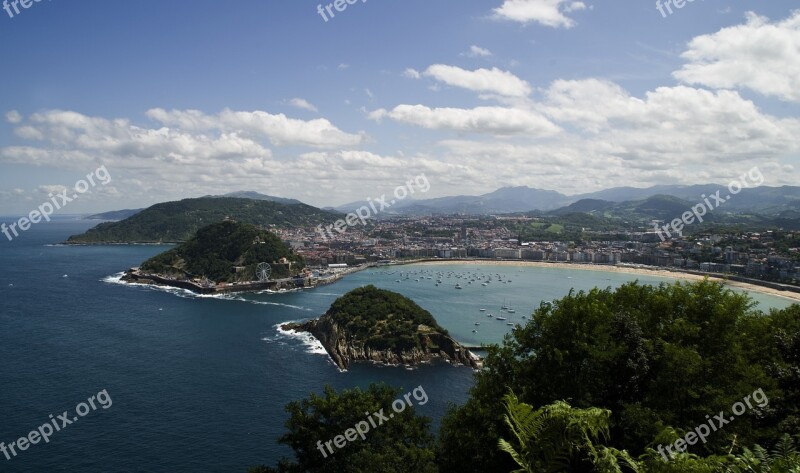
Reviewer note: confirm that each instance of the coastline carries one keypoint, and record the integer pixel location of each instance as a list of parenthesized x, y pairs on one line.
[(661, 272)]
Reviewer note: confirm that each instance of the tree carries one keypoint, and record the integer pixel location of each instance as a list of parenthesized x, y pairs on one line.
[(558, 437), (655, 356), (399, 445)]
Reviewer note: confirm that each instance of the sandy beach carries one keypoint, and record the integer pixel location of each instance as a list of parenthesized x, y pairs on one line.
[(673, 274)]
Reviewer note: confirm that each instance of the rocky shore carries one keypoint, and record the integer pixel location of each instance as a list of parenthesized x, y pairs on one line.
[(344, 349)]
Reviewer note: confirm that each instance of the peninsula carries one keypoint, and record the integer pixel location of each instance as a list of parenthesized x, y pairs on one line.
[(225, 257)]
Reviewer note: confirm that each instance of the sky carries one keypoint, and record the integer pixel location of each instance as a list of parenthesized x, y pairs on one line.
[(185, 98)]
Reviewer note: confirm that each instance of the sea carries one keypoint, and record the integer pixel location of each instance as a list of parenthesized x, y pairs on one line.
[(197, 383)]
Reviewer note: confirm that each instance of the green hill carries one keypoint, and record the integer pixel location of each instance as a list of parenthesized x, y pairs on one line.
[(381, 318), (216, 251), (178, 221)]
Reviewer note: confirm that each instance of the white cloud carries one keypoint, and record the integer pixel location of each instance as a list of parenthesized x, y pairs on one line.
[(477, 51), (343, 66), (758, 55), (412, 73), (303, 104), (492, 80), (546, 12), (492, 120), (13, 117), (279, 129)]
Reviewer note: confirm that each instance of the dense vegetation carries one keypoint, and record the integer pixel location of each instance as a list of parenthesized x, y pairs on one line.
[(178, 221), (656, 357), (382, 319), (216, 250), (400, 445), (598, 380)]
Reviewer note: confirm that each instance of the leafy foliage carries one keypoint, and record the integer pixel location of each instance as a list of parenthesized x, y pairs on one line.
[(560, 438), (655, 356), (401, 445), (217, 249)]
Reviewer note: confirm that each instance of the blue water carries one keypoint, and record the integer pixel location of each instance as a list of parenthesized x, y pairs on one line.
[(199, 384)]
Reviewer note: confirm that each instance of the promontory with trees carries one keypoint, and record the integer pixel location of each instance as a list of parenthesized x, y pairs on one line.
[(228, 252)]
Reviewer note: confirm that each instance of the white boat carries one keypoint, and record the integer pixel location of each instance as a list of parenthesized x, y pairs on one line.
[(501, 318), (483, 310), (477, 323)]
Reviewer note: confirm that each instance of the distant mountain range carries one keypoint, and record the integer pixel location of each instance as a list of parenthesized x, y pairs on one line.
[(178, 221), (525, 199)]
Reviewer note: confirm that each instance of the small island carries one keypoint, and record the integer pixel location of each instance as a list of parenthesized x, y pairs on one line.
[(371, 324)]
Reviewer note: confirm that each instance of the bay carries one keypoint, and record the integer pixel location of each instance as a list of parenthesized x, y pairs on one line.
[(200, 383)]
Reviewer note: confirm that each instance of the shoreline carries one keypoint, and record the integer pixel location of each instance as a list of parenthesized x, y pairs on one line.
[(655, 271)]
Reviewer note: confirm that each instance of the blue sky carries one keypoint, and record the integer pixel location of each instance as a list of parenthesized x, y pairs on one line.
[(185, 98)]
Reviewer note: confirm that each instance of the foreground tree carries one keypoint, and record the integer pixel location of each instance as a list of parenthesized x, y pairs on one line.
[(401, 444), (654, 356), (560, 438)]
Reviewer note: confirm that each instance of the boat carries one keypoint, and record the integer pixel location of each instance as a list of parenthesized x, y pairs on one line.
[(477, 323), (501, 318), (504, 306), (474, 331), (483, 310), (512, 311), (458, 286), (490, 315), (510, 324)]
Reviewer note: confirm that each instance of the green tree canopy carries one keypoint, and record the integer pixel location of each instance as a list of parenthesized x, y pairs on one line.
[(657, 357), (402, 444), (217, 249)]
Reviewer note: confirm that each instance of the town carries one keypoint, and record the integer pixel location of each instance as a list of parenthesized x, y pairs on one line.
[(772, 257)]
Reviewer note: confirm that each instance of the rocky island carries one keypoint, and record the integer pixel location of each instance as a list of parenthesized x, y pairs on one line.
[(371, 324)]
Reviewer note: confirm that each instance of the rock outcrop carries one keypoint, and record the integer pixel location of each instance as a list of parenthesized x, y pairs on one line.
[(344, 348)]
